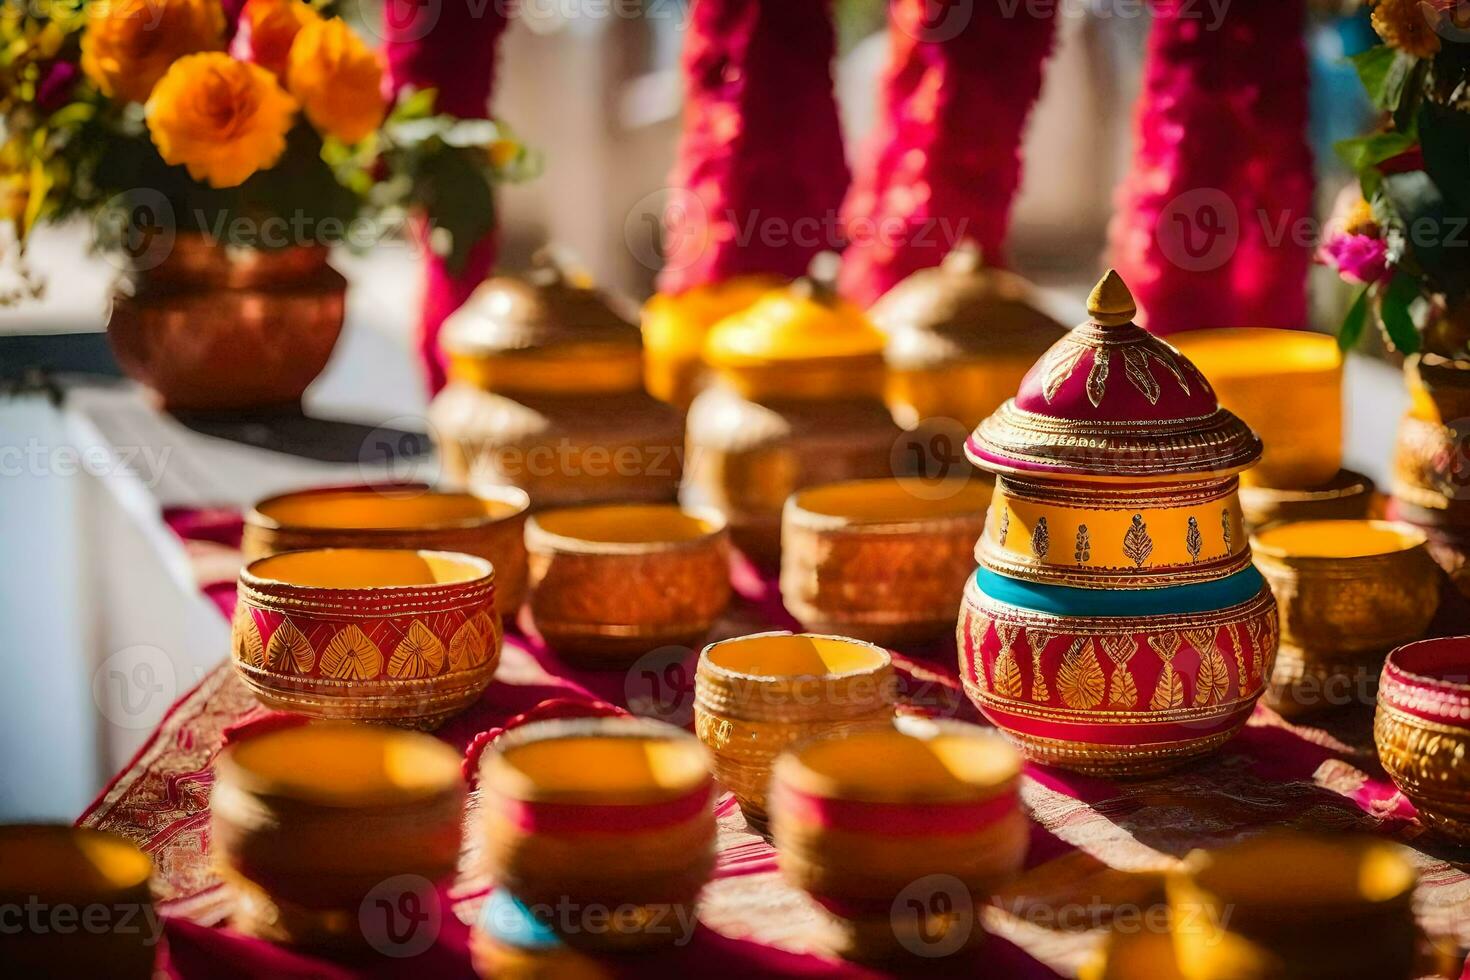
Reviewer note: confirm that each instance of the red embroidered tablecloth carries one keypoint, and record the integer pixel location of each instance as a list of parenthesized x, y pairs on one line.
[(1097, 845)]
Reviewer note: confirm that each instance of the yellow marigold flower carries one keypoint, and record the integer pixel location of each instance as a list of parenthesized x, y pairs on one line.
[(267, 30), (223, 119), (337, 79), (1402, 24), (128, 45), (503, 153)]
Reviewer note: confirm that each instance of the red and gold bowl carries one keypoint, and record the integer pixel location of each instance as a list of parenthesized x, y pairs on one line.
[(864, 820), (1422, 730), (310, 823), (604, 828), (72, 872), (489, 523), (405, 637)]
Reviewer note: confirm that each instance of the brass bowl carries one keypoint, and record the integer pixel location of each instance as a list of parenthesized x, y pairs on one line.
[(880, 560), (754, 696), (1422, 730), (1348, 592), (1295, 905), (610, 583), (859, 817), (405, 637), (1347, 496), (615, 814), (489, 523), (71, 871), (308, 823)]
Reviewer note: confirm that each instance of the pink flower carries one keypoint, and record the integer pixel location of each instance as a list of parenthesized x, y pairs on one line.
[(1357, 258)]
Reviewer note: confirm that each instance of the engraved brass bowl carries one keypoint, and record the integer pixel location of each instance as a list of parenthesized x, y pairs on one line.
[(754, 696), (614, 814), (308, 823), (1347, 496), (610, 583), (880, 560), (1348, 592), (859, 817), (1296, 906), (489, 523), (1422, 730), (77, 869), (405, 637)]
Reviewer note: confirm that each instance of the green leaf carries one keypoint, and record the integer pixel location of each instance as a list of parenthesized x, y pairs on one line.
[(1436, 233), (453, 188), (414, 104), (1352, 324), (1382, 70), (1393, 309), (1363, 152)]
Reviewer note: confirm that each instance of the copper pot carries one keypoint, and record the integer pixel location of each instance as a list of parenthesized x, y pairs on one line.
[(214, 328)]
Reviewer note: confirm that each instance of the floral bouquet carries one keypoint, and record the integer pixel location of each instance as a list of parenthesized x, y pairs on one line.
[(1403, 234)]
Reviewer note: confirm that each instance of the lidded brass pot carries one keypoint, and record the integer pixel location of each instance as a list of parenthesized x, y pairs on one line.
[(961, 336), (797, 401), (546, 393)]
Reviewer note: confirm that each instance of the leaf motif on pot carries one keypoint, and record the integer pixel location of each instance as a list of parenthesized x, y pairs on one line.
[(289, 651), (1169, 692), (1004, 530), (1006, 676), (1097, 377), (1171, 362), (466, 647), (1122, 690), (973, 631), (1083, 550), (419, 654), (1225, 528), (1137, 545), (1135, 366), (1080, 678), (492, 632), (1263, 640), (1036, 640), (352, 656), (1061, 361), (245, 639), (1235, 647), (1193, 541), (1040, 538), (1213, 679)]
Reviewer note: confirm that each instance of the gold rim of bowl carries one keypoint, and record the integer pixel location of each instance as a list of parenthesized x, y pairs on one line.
[(478, 571), (1410, 539), (707, 663), (543, 538), (514, 498), (829, 507)]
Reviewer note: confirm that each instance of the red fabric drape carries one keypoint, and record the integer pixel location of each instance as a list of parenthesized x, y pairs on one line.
[(944, 161)]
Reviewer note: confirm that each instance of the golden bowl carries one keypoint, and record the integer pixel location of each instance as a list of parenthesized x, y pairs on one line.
[(1348, 592), (488, 523), (610, 583), (1347, 496), (609, 814), (860, 816), (880, 560), (1422, 730), (62, 874), (1287, 386), (406, 637), (754, 696), (309, 823), (1295, 905)]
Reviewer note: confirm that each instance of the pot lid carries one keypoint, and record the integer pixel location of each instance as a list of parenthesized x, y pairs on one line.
[(803, 321), (960, 308), (549, 306), (1110, 400)]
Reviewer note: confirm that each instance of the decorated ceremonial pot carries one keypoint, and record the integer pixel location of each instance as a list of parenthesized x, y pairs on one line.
[(961, 336), (546, 393), (509, 940), (309, 825), (797, 401), (859, 817), (1295, 906), (674, 329), (608, 821), (53, 881), (1422, 730), (1431, 469), (489, 523), (1116, 624), (406, 637), (755, 696), (880, 560), (612, 582)]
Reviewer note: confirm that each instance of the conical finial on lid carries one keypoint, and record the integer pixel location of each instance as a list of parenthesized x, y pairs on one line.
[(1110, 304)]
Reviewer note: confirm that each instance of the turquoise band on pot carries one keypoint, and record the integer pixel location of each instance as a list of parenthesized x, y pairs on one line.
[(506, 918), (1066, 600)]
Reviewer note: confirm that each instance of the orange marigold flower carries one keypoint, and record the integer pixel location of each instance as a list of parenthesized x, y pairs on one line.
[(1405, 24), (267, 30), (338, 80), (128, 45), (223, 119)]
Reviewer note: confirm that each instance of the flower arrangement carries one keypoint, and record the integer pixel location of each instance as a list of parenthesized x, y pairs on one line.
[(1403, 233), (262, 125)]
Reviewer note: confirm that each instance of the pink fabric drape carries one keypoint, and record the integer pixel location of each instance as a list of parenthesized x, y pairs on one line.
[(1208, 230), (944, 161), (448, 46)]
